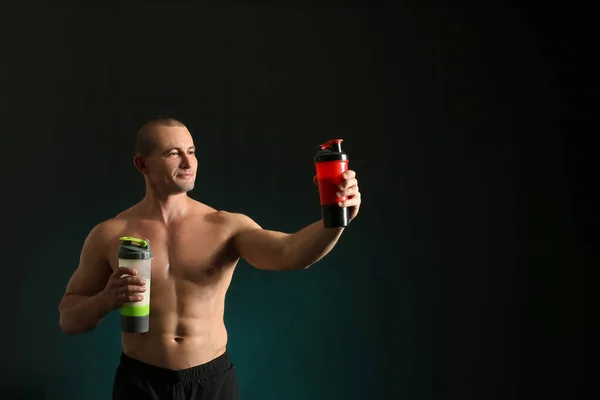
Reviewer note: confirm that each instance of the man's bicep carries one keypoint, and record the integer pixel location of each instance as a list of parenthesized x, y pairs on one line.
[(261, 248), (93, 270)]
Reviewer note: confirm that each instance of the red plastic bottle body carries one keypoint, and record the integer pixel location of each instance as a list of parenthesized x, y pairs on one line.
[(329, 176), (330, 163)]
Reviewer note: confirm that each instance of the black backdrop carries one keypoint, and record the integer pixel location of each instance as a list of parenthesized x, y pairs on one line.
[(450, 283)]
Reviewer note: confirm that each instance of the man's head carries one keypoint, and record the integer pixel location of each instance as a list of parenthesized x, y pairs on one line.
[(165, 155)]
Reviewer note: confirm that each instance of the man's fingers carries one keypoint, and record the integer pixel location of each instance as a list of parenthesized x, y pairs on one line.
[(130, 289), (129, 280), (124, 271), (353, 201), (133, 280), (348, 184), (347, 192), (121, 284), (133, 289), (350, 174), (125, 298), (349, 203)]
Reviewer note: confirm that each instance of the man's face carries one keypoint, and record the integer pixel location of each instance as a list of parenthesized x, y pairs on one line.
[(172, 165)]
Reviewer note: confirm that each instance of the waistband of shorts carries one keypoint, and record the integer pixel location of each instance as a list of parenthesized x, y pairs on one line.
[(218, 365)]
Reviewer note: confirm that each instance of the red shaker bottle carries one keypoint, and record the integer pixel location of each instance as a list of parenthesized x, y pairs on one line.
[(331, 162)]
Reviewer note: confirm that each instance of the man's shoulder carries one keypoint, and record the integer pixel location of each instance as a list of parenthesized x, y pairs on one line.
[(108, 227), (236, 220), (231, 220)]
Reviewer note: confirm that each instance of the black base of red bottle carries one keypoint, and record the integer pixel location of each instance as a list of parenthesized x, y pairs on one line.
[(335, 216)]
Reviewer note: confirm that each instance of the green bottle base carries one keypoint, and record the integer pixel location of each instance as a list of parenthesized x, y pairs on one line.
[(135, 324)]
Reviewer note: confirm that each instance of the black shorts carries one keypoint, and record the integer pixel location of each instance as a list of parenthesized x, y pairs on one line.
[(214, 380)]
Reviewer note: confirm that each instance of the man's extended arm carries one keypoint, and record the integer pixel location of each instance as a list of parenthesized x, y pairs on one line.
[(310, 244), (273, 250)]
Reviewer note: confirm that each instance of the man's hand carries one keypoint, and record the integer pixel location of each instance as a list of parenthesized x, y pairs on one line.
[(123, 289), (348, 188)]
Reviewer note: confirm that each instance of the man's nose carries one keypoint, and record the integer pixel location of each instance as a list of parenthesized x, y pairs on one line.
[(186, 161)]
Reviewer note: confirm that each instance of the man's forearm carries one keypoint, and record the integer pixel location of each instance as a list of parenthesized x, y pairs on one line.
[(310, 244), (80, 314)]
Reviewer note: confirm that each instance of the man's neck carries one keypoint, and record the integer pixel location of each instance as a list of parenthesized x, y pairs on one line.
[(165, 208)]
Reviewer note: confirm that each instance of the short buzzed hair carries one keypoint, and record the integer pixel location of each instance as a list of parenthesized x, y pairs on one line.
[(144, 141)]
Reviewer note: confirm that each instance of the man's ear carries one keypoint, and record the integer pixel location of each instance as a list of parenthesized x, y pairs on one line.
[(140, 164)]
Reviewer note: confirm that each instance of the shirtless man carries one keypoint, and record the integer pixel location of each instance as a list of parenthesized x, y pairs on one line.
[(195, 251)]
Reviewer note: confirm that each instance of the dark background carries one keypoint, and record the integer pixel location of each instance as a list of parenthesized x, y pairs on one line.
[(462, 276)]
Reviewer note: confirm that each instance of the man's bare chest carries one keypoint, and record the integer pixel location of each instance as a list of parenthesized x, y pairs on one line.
[(186, 251)]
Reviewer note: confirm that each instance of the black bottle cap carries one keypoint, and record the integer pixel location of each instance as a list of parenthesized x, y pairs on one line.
[(331, 151)]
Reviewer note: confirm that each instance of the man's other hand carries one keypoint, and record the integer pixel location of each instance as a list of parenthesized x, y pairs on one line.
[(123, 286)]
